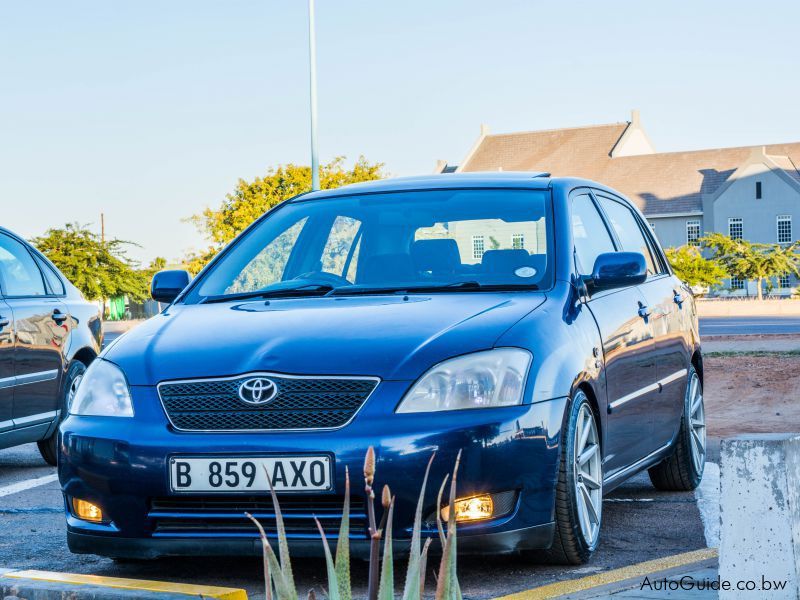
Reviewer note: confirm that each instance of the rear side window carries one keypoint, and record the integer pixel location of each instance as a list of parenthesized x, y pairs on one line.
[(589, 232), (628, 230), (20, 275), (53, 281)]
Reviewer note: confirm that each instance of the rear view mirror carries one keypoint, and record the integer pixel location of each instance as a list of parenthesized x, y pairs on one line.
[(617, 269), (167, 285)]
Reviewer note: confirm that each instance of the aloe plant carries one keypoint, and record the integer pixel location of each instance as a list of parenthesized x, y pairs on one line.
[(278, 576)]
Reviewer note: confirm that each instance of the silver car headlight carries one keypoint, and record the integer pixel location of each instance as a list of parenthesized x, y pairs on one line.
[(480, 380), (102, 392)]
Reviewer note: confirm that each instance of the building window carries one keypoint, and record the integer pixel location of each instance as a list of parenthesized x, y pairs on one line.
[(693, 233), (785, 229), (478, 247), (785, 281), (737, 284), (735, 228), (518, 241), (758, 190)]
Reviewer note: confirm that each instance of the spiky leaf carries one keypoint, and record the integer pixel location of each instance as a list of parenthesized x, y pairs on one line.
[(343, 545), (386, 588), (411, 590), (283, 544), (333, 584)]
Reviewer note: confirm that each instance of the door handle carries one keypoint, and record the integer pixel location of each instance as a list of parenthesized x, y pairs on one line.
[(59, 317), (643, 311), (677, 298), (4, 322)]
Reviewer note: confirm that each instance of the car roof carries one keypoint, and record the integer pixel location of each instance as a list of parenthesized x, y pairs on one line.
[(531, 180), (490, 179)]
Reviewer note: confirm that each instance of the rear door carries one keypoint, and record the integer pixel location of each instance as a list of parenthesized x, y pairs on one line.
[(39, 324), (627, 344), (6, 366), (662, 299)]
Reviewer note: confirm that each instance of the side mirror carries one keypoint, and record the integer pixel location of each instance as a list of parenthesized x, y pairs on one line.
[(167, 285), (617, 269)]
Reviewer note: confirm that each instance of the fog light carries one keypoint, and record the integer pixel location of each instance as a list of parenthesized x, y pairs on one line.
[(471, 509), (87, 511)]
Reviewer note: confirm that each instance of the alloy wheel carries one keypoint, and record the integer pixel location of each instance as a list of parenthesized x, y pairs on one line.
[(588, 475), (73, 388), (697, 421)]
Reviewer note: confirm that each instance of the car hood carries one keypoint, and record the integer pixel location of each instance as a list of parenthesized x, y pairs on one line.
[(391, 337)]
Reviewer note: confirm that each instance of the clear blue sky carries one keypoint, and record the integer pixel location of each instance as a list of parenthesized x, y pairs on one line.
[(150, 111)]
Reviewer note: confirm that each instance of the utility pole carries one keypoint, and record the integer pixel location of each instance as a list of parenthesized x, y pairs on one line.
[(312, 72), (103, 228)]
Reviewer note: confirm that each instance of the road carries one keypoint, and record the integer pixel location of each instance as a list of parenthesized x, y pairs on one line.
[(639, 524), (749, 325)]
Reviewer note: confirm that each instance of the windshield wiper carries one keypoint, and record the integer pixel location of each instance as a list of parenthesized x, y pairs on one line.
[(455, 286), (284, 291)]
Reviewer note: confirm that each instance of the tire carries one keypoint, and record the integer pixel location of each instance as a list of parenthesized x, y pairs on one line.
[(579, 490), (48, 447), (682, 470)]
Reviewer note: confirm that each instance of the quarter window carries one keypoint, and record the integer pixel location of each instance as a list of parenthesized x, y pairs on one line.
[(339, 245), (693, 233), (630, 234), (589, 233), (785, 229), (735, 228), (478, 247)]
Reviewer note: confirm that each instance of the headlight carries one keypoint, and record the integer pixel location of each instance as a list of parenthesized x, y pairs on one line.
[(102, 392), (480, 380)]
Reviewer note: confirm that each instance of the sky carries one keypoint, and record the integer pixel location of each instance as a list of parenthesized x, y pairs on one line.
[(150, 111)]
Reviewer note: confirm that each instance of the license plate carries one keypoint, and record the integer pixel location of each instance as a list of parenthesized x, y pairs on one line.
[(249, 474)]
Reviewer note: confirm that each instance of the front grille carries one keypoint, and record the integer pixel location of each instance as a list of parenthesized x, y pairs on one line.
[(192, 515), (300, 403)]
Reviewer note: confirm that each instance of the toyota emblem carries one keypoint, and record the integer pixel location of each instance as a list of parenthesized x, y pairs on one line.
[(257, 390)]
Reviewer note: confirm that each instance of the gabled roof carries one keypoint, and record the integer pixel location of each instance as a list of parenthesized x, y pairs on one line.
[(659, 183)]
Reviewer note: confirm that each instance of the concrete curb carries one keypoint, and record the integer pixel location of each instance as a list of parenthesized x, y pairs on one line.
[(602, 584), (46, 585)]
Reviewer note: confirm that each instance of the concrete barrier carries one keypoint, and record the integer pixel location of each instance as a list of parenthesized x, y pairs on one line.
[(760, 513)]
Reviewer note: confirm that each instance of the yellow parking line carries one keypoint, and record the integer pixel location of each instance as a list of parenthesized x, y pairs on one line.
[(572, 586), (204, 591)]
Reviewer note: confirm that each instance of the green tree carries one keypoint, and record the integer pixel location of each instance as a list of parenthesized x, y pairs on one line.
[(98, 269), (749, 260), (690, 266), (251, 199)]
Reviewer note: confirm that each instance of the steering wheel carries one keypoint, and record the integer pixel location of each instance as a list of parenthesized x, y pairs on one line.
[(323, 277)]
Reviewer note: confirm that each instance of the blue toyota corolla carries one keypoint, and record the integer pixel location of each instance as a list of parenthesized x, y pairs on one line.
[(531, 322)]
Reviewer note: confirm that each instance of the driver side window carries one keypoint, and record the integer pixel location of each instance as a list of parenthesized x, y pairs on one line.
[(589, 233)]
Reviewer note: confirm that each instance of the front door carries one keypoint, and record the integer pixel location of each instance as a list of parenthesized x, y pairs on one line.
[(6, 366), (628, 345), (662, 301), (39, 327)]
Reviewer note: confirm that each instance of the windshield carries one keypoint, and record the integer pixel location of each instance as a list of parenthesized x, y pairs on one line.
[(460, 240)]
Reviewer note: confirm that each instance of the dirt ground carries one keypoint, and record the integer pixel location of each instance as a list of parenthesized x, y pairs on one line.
[(752, 393)]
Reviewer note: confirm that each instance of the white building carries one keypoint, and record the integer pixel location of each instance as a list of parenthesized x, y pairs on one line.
[(748, 191)]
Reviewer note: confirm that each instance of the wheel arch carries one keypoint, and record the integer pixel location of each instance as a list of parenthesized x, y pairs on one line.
[(587, 389), (697, 363), (85, 355)]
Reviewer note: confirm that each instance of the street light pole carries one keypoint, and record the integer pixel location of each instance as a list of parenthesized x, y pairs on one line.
[(312, 71)]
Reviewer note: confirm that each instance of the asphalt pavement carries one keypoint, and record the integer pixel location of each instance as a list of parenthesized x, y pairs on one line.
[(749, 325), (639, 524)]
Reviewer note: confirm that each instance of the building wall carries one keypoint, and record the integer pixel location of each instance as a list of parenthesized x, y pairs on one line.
[(671, 231), (759, 217)]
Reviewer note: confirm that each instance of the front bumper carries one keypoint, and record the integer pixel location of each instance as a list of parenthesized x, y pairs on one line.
[(122, 466)]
